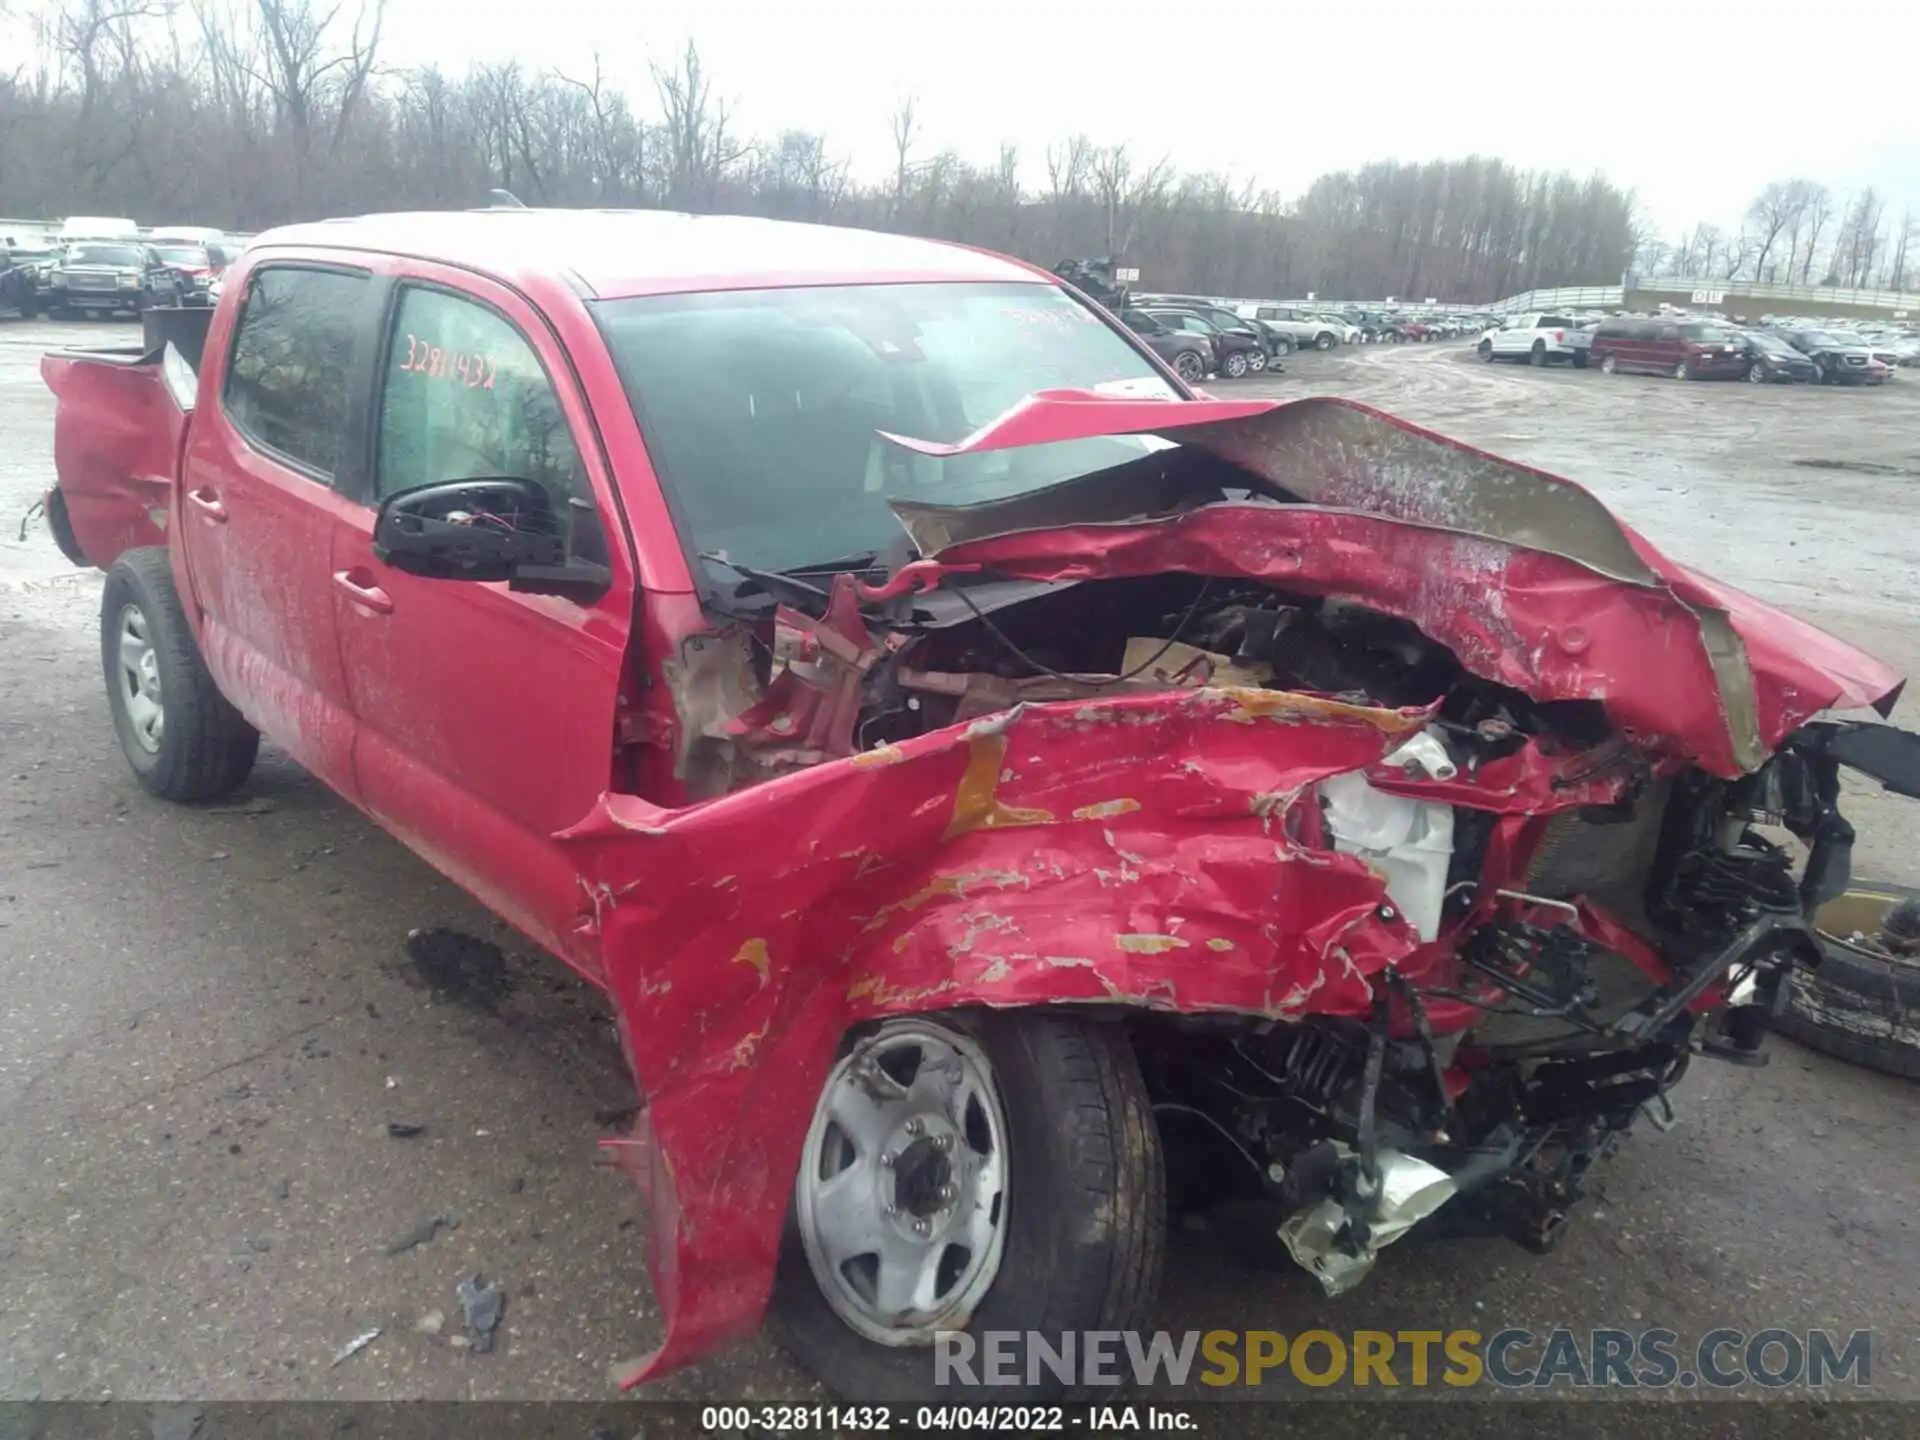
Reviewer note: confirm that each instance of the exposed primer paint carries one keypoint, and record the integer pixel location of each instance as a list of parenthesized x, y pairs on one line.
[(1106, 809), (1149, 944), (976, 802), (879, 991), (1287, 707), (887, 754), (1220, 943), (741, 1056), (754, 952), (941, 886)]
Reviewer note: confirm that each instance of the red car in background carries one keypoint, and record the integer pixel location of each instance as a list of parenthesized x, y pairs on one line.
[(1005, 797)]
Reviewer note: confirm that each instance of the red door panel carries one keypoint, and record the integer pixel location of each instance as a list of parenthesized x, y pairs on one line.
[(484, 717)]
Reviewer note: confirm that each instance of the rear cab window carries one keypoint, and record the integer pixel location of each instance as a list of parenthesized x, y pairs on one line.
[(292, 373)]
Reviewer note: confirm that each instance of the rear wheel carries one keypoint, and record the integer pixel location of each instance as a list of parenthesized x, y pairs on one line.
[(1190, 366), (1756, 374), (1282, 345), (183, 739), (1257, 361), (1539, 352), (1325, 340), (1609, 365), (1486, 351), (979, 1171)]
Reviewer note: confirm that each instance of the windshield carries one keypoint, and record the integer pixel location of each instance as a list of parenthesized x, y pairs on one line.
[(104, 255), (1822, 337), (1769, 343), (760, 407), (182, 254)]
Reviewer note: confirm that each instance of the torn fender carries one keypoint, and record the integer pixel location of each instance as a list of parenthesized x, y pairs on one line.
[(1526, 575), (1138, 851)]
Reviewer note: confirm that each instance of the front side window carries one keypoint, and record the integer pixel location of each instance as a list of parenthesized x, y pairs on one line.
[(296, 364), (763, 410), (465, 398)]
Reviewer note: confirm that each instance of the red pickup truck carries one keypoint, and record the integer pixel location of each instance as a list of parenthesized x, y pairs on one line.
[(1006, 796)]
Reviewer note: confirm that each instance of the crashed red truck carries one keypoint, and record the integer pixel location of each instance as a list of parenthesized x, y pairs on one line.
[(1005, 796)]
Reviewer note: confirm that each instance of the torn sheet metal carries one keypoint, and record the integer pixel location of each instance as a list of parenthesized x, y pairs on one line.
[(1528, 577), (116, 469), (1138, 850)]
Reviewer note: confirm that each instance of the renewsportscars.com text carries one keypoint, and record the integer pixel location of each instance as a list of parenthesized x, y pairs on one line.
[(1511, 1359)]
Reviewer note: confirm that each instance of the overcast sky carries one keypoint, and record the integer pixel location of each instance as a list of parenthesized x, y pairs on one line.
[(1694, 103)]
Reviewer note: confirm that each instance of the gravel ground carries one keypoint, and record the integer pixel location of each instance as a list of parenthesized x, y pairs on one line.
[(207, 1021)]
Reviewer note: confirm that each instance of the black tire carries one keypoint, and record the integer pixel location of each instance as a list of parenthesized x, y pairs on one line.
[(1325, 340), (1539, 353), (1756, 374), (1486, 351), (206, 748), (1579, 360), (1859, 1006), (1282, 345), (1190, 367), (1086, 1226)]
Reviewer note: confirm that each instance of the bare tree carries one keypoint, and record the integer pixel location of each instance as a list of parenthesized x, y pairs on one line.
[(1815, 214), (700, 146), (905, 132)]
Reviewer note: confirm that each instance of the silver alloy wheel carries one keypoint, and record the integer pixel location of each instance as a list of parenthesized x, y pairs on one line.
[(1681, 372), (1608, 365), (139, 672), (1756, 374), (1236, 365), (1257, 361), (1189, 366), (901, 1198)]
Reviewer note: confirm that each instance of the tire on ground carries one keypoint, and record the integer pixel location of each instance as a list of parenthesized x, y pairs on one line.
[(206, 747), (1859, 1005), (1086, 1218)]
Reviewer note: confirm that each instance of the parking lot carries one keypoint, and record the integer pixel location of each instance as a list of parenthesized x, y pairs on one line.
[(209, 1022)]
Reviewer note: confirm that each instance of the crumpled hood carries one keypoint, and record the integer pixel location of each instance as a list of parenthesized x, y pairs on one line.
[(1527, 577)]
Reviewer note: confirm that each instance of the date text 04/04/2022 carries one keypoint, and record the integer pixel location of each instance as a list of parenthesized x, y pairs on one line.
[(935, 1419)]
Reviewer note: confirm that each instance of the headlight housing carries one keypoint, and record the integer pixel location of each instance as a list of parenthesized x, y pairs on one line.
[(129, 282)]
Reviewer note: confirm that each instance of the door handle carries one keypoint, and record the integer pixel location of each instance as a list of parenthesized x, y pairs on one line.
[(369, 597), (207, 502)]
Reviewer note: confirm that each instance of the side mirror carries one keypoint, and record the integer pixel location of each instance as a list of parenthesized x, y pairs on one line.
[(501, 528)]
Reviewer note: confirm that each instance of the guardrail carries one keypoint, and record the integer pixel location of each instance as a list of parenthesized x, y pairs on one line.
[(1708, 294)]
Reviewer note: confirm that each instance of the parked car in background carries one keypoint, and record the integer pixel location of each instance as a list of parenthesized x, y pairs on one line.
[(1273, 343), (1682, 349), (1837, 360), (1306, 328), (1236, 352), (104, 276), (98, 227), (17, 286), (1190, 355), (1540, 339), (1771, 359), (1347, 330), (1580, 342)]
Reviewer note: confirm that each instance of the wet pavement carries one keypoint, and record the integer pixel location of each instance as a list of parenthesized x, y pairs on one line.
[(242, 1122)]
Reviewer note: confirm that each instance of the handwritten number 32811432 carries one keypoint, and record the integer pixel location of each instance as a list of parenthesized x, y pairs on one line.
[(471, 368)]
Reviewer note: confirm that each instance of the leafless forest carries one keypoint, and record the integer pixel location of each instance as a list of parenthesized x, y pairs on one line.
[(249, 113)]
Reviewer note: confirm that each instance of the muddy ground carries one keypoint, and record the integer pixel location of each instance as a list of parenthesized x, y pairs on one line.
[(207, 1021)]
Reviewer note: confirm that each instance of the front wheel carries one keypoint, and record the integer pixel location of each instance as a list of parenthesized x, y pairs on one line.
[(1539, 352), (1325, 340), (997, 1170), (1819, 373), (1282, 345), (182, 737), (1190, 367), (1486, 351), (1236, 365), (1257, 361), (1609, 365), (1681, 372), (1756, 374)]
